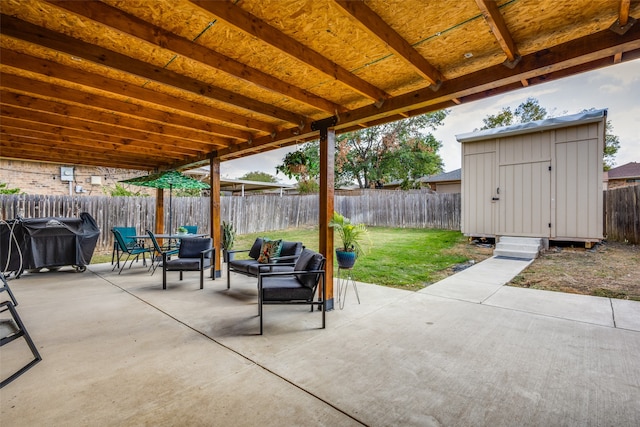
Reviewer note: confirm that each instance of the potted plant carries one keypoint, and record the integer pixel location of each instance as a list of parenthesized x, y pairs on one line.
[(182, 230), (351, 236), (228, 239), (294, 163)]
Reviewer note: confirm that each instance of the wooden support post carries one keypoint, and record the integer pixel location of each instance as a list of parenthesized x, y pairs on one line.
[(214, 209), (159, 211), (327, 166)]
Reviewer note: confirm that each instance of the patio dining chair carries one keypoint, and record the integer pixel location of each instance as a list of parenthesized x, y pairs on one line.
[(128, 234), (195, 254), (294, 287), (134, 251), (158, 252)]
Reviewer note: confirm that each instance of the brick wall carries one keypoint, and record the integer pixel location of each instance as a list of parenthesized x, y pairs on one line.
[(46, 179)]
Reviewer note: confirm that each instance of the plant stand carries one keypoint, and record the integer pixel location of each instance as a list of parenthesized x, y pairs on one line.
[(344, 278)]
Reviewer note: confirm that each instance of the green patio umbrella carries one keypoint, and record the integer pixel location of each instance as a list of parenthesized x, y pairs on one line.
[(167, 180)]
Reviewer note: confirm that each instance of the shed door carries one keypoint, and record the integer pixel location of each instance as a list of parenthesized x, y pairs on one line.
[(525, 199), (478, 192)]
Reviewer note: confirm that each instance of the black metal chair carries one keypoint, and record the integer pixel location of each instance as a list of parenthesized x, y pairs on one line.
[(12, 328), (158, 251), (134, 250), (195, 254), (294, 287)]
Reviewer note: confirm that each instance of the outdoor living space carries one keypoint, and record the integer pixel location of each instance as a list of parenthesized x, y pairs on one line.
[(119, 350)]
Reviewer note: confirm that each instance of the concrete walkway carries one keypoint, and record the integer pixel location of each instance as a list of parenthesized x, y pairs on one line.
[(118, 350)]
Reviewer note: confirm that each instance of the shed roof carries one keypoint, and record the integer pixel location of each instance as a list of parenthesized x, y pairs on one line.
[(162, 84), (535, 126)]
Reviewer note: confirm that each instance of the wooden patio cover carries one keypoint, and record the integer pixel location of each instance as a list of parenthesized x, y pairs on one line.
[(162, 84)]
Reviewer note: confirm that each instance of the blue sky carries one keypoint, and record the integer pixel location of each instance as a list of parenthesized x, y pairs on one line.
[(616, 88)]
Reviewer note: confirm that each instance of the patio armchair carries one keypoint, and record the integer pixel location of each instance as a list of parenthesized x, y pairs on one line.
[(134, 250), (158, 251), (294, 287), (195, 254), (12, 328)]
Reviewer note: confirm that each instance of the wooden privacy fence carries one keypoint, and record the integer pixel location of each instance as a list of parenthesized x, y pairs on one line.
[(250, 214), (622, 214)]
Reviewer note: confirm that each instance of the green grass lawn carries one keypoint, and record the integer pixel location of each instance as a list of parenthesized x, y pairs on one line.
[(406, 258), (398, 257)]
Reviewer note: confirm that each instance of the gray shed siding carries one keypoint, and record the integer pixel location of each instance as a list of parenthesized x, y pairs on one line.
[(539, 180)]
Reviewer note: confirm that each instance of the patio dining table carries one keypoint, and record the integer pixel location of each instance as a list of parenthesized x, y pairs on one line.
[(170, 236)]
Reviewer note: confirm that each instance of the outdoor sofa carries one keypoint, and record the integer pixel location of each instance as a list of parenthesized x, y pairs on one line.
[(283, 262)]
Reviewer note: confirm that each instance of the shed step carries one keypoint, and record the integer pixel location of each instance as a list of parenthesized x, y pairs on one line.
[(518, 247), (515, 254)]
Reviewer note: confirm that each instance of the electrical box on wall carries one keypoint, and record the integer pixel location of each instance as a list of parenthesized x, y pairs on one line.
[(66, 173), (96, 180)]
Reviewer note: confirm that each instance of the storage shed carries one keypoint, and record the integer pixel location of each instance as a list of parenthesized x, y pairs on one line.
[(540, 179)]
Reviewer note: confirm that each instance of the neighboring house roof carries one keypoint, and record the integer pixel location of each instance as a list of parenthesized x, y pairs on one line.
[(454, 175), (630, 170)]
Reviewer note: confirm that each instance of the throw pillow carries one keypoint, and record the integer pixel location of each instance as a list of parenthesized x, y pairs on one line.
[(270, 249)]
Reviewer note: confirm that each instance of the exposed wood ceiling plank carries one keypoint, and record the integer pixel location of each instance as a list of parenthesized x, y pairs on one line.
[(92, 140), (128, 124), (492, 15), (62, 72), (28, 32), (20, 150), (136, 27), (376, 26), (53, 142), (250, 24), (64, 94), (128, 134)]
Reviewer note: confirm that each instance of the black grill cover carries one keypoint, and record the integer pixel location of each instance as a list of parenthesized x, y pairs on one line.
[(54, 242)]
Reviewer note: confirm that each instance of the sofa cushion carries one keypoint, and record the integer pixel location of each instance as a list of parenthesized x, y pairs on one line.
[(308, 260), (256, 268), (290, 249), (284, 289), (270, 248), (255, 249), (243, 265)]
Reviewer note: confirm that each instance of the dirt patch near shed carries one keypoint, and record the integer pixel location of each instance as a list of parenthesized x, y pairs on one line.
[(607, 270)]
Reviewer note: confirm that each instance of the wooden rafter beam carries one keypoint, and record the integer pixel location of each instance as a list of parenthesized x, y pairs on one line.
[(51, 69), (236, 16), (587, 53), (68, 95), (135, 27), (377, 27), (494, 18), (88, 139), (19, 150), (34, 34), (108, 122)]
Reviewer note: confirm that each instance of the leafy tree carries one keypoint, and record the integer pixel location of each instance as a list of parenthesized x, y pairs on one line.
[(4, 189), (259, 176), (398, 150), (529, 111)]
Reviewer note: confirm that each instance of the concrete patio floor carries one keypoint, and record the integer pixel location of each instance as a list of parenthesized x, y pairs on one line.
[(118, 350)]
